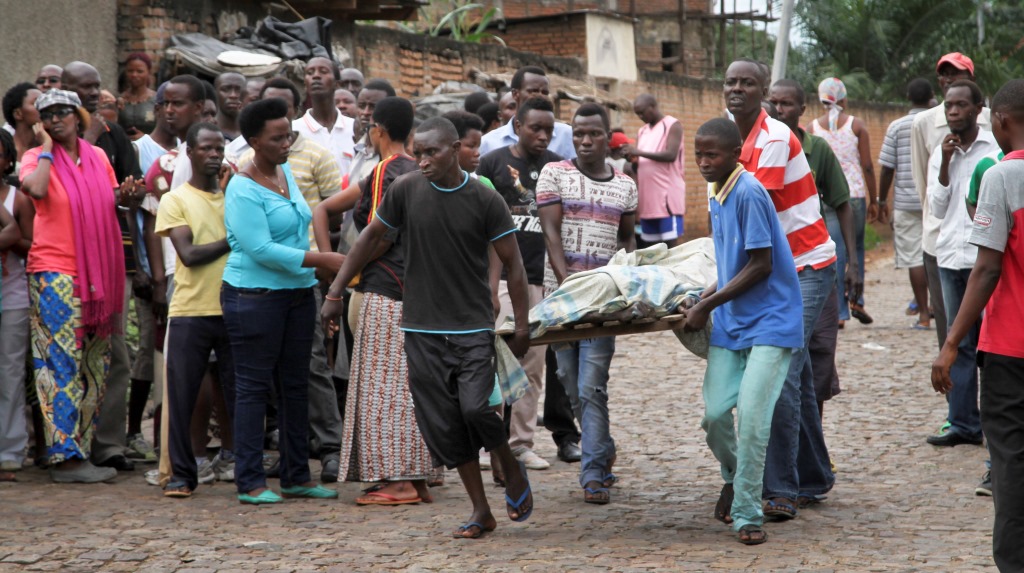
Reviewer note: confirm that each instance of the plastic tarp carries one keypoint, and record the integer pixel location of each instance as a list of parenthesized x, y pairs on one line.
[(293, 42)]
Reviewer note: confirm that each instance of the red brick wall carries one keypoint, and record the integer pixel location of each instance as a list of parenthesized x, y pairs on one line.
[(565, 37), (147, 26), (527, 8)]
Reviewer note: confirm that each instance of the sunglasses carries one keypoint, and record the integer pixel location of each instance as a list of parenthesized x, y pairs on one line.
[(60, 113), (47, 80)]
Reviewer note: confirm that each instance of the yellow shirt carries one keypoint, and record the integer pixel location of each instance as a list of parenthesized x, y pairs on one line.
[(315, 171), (197, 288)]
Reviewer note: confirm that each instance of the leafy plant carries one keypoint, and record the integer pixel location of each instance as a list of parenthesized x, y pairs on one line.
[(463, 22)]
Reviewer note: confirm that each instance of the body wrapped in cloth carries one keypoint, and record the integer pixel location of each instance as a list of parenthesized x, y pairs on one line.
[(648, 283)]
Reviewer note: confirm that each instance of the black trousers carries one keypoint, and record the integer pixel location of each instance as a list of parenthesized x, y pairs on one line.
[(451, 377), (190, 340), (1002, 421)]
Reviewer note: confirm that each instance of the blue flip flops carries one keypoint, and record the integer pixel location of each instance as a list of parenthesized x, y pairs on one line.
[(466, 527), (516, 505)]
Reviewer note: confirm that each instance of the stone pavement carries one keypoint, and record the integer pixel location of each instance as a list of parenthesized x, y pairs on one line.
[(899, 504)]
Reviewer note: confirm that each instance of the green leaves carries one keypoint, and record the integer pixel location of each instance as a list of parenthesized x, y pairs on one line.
[(877, 46), (463, 24)]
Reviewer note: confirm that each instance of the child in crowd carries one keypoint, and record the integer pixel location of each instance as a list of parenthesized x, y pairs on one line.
[(757, 324)]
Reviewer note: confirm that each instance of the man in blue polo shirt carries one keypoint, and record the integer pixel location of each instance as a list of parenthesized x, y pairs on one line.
[(757, 324)]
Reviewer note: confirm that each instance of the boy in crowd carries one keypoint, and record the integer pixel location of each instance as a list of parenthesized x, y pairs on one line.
[(514, 170), (192, 216), (757, 324), (996, 285)]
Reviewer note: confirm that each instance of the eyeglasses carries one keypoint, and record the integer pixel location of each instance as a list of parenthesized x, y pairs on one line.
[(60, 113), (47, 80)]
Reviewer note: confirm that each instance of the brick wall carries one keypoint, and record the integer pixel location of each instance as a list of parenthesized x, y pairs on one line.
[(565, 37), (527, 8), (415, 64)]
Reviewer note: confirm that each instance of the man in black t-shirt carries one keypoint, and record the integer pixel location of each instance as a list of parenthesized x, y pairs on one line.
[(514, 170), (110, 439), (447, 220)]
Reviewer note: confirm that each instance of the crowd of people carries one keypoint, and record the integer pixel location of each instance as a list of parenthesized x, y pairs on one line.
[(267, 239)]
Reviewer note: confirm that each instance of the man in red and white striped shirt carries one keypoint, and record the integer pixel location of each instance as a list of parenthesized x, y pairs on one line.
[(797, 466)]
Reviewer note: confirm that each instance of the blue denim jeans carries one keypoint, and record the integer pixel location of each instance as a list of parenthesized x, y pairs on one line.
[(748, 381), (836, 232), (583, 370), (797, 462), (964, 417), (271, 333)]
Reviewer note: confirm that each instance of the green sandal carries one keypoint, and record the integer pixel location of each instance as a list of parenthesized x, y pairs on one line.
[(316, 492), (265, 497)]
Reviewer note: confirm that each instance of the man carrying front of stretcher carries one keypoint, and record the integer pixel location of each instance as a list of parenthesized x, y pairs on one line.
[(757, 324)]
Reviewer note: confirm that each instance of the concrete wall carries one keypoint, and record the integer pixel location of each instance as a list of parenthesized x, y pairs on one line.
[(57, 32)]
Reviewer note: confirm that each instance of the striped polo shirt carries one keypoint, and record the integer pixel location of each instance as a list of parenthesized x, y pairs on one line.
[(773, 154)]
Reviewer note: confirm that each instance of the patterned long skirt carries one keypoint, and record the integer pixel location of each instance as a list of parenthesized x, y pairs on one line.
[(69, 367), (381, 440)]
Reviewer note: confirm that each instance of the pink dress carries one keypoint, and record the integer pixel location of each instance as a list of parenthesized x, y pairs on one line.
[(661, 185)]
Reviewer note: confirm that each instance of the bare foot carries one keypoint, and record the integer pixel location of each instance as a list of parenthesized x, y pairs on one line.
[(422, 490), (392, 493)]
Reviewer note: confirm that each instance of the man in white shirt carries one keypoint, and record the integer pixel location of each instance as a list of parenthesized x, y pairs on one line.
[(950, 169), (323, 123), (927, 131), (529, 82)]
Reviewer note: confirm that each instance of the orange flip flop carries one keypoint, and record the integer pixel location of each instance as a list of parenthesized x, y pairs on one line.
[(379, 498)]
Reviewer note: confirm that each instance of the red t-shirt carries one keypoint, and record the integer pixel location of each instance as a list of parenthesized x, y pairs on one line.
[(999, 225)]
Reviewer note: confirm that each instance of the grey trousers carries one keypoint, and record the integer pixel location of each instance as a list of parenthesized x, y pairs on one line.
[(111, 435), (324, 418)]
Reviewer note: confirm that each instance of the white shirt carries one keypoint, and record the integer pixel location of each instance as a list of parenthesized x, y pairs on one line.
[(235, 149), (926, 134), (561, 140), (949, 203), (340, 139), (182, 174)]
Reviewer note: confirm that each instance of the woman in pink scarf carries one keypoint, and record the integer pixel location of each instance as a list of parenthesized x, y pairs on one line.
[(76, 281)]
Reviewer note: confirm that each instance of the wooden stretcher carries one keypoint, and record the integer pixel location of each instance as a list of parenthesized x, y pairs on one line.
[(586, 330)]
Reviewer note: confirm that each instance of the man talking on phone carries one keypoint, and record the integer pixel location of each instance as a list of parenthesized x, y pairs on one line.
[(949, 174)]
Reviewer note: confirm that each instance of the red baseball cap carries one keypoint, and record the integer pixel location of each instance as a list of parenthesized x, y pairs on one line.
[(958, 61), (619, 139)]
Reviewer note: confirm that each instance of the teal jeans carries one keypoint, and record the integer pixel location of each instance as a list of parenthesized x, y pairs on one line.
[(750, 381)]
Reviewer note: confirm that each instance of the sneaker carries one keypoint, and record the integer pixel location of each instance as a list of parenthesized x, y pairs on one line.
[(10, 466), (224, 466), (531, 460), (207, 472), (84, 473), (140, 449), (985, 487), (485, 460), (153, 477)]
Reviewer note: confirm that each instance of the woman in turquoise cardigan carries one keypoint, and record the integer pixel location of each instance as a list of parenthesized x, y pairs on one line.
[(268, 305)]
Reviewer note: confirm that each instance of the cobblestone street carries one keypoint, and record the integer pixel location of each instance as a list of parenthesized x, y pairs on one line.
[(899, 504)]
